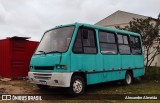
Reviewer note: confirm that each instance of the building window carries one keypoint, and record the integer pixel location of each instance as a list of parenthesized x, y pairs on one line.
[(123, 44), (135, 45), (107, 43), (85, 41)]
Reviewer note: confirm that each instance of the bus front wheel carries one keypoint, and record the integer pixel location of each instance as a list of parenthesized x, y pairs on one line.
[(128, 78), (77, 85)]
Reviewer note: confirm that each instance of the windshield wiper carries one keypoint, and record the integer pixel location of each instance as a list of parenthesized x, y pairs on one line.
[(42, 52), (54, 52)]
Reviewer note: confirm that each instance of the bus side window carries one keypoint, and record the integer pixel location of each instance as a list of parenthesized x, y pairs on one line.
[(135, 45), (107, 43), (78, 44), (85, 38), (85, 41), (123, 44)]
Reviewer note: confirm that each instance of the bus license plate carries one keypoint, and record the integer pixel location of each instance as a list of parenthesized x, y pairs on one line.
[(43, 82)]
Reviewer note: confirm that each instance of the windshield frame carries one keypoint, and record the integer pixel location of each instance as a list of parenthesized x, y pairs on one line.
[(72, 25)]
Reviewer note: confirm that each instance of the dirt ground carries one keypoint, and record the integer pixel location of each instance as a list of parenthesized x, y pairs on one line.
[(19, 87), (59, 94), (12, 89)]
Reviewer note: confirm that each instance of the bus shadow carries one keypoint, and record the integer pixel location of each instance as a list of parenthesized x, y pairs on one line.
[(58, 93), (89, 88), (103, 86)]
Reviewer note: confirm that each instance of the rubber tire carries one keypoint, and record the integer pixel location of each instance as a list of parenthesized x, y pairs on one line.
[(70, 89), (42, 87), (125, 80)]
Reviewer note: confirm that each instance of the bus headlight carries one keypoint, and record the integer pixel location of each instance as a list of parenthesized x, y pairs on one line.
[(61, 66)]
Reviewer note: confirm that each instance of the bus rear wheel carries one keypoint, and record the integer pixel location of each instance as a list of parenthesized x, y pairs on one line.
[(77, 85), (128, 78)]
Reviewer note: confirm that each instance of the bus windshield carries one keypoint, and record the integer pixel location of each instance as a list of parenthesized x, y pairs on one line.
[(56, 40)]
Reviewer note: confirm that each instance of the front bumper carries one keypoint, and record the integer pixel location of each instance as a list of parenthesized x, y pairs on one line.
[(51, 79)]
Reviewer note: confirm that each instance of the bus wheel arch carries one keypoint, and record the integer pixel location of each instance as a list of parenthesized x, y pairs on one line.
[(77, 83), (128, 77), (82, 74)]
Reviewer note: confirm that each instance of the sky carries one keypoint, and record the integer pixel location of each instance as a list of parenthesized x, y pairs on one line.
[(31, 18)]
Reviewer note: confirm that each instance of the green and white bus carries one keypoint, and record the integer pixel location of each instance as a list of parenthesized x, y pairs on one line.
[(77, 55)]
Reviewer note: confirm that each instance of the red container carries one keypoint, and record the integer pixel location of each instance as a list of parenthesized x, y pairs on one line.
[(15, 55)]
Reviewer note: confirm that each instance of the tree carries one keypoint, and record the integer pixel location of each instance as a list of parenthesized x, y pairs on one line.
[(149, 29)]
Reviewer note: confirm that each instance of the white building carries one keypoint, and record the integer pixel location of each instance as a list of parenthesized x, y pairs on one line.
[(122, 19)]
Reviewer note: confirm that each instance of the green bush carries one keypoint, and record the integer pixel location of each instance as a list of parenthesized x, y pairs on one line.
[(152, 73)]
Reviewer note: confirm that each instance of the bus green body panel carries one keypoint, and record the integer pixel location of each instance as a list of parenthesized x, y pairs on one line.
[(97, 67)]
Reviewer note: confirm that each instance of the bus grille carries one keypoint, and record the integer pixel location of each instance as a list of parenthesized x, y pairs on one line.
[(44, 67), (42, 76)]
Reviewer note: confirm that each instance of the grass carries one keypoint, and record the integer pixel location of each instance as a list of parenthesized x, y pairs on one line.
[(150, 84)]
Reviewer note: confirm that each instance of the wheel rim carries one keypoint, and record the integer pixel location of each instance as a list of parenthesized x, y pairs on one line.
[(128, 79), (77, 86)]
